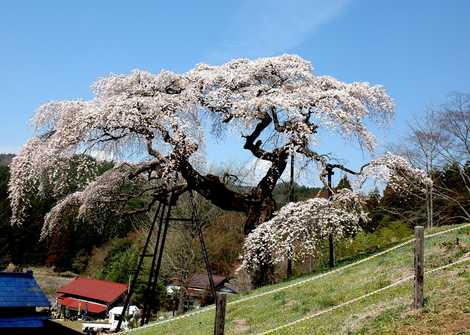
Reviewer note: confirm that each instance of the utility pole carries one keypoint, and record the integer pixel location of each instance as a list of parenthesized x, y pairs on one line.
[(331, 243), (291, 199), (291, 184)]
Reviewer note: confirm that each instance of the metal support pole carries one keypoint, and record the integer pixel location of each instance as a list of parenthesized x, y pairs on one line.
[(148, 296), (166, 223), (331, 243), (419, 267), (139, 265), (291, 199), (206, 260), (291, 184), (331, 247), (205, 256)]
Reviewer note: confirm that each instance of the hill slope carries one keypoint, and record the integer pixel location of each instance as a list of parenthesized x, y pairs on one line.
[(387, 312), (5, 159)]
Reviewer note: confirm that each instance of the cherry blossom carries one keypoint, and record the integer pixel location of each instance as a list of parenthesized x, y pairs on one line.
[(285, 89), (396, 171), (106, 196), (300, 228), (154, 124)]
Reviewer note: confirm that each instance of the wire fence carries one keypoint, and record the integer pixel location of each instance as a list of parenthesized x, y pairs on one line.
[(362, 297), (312, 279)]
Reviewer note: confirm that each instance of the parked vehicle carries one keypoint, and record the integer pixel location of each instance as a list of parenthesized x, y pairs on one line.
[(130, 321)]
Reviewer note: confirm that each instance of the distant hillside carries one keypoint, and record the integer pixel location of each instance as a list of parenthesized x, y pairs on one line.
[(5, 159), (301, 192)]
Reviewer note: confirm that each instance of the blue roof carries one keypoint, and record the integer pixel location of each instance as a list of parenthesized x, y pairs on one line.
[(20, 289), (23, 322)]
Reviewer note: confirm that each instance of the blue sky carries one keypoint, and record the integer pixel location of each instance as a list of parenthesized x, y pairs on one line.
[(419, 50)]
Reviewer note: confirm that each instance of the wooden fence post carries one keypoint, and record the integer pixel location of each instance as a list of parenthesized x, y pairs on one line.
[(419, 267), (220, 302)]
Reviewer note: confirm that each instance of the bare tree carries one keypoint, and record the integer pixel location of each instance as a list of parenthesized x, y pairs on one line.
[(180, 259), (438, 140), (454, 122), (426, 139)]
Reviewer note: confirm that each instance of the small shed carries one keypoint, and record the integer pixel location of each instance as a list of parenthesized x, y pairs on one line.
[(199, 287), (201, 282), (91, 296), (20, 299)]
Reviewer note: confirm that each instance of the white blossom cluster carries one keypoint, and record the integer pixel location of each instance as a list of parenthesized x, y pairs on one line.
[(137, 110), (107, 193), (40, 170), (397, 172), (299, 228), (286, 88), (157, 118)]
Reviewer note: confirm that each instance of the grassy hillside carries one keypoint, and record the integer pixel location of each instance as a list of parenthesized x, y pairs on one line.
[(389, 312), (50, 281)]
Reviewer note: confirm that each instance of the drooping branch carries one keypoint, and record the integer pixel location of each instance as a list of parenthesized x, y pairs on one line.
[(214, 190), (345, 169)]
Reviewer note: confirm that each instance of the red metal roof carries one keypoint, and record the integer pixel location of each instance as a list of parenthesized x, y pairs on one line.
[(83, 305), (100, 290)]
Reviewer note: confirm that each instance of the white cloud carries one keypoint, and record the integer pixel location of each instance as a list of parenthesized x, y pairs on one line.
[(265, 28)]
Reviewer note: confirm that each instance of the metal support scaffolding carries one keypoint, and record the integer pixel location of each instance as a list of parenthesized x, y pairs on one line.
[(146, 313), (163, 212), (153, 274), (136, 274), (197, 223)]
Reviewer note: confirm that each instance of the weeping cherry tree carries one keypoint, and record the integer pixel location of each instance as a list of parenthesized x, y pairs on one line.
[(154, 127)]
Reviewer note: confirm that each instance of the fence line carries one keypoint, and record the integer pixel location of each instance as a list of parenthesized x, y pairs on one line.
[(343, 267), (300, 282), (349, 302)]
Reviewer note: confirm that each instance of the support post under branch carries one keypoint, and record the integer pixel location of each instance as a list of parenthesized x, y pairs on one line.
[(331, 243)]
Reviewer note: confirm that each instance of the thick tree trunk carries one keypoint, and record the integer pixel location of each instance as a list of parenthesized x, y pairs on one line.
[(214, 190), (258, 204), (258, 214), (263, 275)]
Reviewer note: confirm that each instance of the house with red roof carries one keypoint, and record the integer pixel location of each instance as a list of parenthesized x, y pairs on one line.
[(91, 296)]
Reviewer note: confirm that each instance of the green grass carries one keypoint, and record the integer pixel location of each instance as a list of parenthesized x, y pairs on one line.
[(446, 311), (376, 315)]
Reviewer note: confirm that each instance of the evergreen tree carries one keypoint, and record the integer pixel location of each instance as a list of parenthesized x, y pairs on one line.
[(344, 183)]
